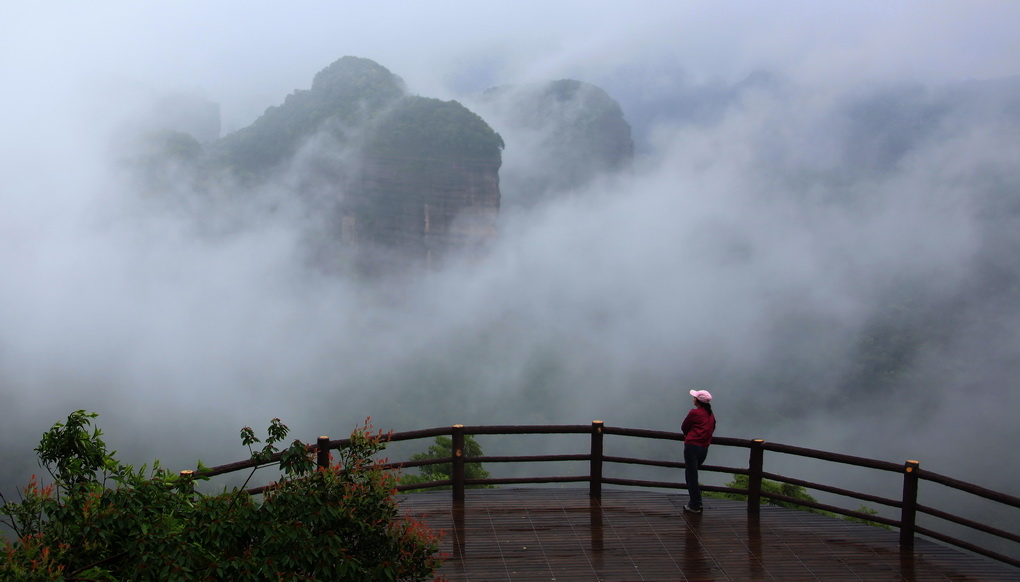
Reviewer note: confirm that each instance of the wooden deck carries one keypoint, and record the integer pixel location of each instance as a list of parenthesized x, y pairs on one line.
[(559, 534)]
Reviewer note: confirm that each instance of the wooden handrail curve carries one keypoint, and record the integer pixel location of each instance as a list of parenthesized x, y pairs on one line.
[(596, 476)]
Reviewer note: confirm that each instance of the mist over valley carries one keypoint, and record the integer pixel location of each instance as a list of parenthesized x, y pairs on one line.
[(205, 231)]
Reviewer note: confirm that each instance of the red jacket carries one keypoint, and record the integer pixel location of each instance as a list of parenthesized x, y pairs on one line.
[(698, 427)]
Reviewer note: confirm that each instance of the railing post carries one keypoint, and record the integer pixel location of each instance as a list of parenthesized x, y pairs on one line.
[(322, 453), (595, 474), (754, 474), (457, 473), (908, 513)]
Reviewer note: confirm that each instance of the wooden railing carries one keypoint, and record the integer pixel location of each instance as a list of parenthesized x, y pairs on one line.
[(596, 477)]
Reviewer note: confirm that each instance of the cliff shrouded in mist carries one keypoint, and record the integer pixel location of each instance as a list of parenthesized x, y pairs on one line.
[(393, 179), (403, 178), (428, 182), (398, 179), (343, 99), (576, 127)]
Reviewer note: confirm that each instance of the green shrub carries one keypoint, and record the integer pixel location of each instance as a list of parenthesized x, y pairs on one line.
[(102, 520), (794, 491)]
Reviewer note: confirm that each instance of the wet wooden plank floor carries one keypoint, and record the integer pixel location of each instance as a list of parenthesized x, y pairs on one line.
[(559, 534)]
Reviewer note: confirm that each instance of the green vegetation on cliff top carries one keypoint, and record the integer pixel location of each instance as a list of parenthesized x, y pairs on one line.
[(355, 96), (430, 127)]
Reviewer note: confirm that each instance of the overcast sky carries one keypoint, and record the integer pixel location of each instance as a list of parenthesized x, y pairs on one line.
[(246, 55), (604, 298)]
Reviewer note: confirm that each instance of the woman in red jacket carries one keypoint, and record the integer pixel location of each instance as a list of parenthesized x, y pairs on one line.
[(697, 428)]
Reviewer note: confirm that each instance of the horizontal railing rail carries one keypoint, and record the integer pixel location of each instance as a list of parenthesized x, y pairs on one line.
[(907, 504)]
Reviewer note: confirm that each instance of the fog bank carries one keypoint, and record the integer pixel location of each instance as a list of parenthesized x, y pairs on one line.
[(808, 180)]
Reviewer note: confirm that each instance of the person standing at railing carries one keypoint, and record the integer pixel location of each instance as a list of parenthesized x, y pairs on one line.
[(698, 428)]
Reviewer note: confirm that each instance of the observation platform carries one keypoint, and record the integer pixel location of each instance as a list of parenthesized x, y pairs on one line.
[(560, 534)]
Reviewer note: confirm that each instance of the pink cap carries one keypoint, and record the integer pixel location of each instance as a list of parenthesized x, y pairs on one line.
[(702, 395)]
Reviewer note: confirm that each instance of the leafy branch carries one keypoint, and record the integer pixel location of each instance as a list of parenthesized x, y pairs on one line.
[(340, 523)]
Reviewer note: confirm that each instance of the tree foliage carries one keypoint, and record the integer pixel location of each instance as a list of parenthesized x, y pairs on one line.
[(421, 126), (102, 520), (441, 449), (343, 97)]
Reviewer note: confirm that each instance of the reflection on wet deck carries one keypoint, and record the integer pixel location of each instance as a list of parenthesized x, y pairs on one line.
[(560, 534)]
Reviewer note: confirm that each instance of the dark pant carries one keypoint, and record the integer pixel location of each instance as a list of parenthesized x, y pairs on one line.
[(694, 456)]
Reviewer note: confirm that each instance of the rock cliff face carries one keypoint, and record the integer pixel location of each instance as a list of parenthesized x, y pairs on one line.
[(412, 180), (421, 210)]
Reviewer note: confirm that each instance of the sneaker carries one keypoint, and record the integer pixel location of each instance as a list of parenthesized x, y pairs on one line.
[(690, 509)]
